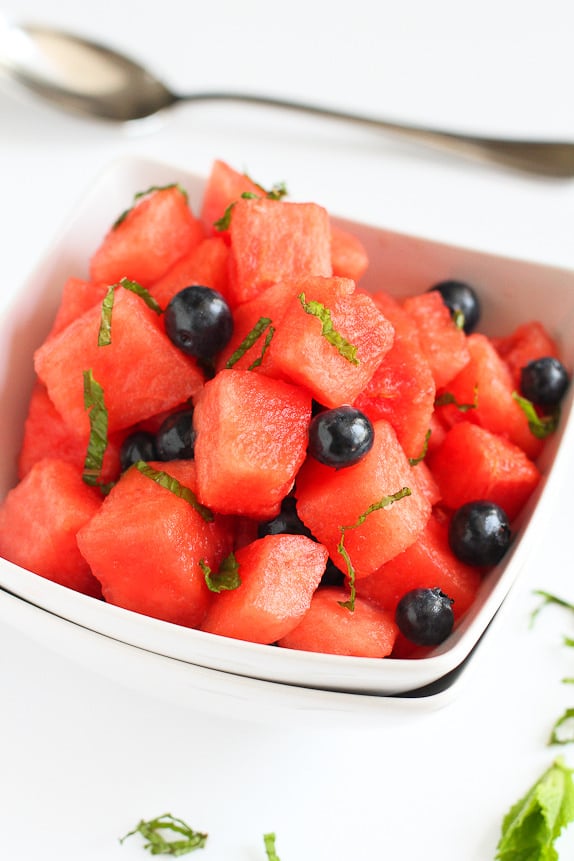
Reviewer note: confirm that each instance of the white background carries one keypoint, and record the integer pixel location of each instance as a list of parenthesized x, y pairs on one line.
[(82, 756)]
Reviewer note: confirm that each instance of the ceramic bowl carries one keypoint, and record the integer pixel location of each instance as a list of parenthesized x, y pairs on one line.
[(511, 291)]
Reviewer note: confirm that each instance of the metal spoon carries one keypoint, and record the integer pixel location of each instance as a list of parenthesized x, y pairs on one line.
[(85, 77)]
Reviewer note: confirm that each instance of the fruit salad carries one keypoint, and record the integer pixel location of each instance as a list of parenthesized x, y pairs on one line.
[(228, 433)]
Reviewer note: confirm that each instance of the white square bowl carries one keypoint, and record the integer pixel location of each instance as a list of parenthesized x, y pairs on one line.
[(511, 292)]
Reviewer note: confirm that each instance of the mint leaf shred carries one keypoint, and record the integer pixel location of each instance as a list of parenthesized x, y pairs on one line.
[(226, 578), (153, 831), (262, 325), (317, 309), (448, 398), (138, 196), (225, 220), (269, 842), (105, 330), (385, 502), (98, 440), (174, 486), (540, 426), (549, 598), (563, 729), (414, 460), (142, 292), (532, 825)]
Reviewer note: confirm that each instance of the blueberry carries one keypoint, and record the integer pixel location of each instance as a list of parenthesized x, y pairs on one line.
[(286, 522), (340, 437), (479, 533), (425, 616), (544, 382), (198, 320), (460, 298), (140, 445), (175, 439)]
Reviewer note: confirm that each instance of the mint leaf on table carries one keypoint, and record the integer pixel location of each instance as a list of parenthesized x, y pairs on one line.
[(269, 841), (152, 830), (533, 824)]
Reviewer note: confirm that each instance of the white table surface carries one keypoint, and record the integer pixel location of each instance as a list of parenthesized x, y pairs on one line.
[(83, 756)]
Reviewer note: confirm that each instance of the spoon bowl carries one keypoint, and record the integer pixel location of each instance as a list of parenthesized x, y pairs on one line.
[(82, 76)]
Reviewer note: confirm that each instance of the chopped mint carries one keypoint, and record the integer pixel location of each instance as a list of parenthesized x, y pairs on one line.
[(174, 486), (263, 324), (225, 578), (540, 426), (98, 439), (385, 502), (317, 309), (152, 831), (269, 841)]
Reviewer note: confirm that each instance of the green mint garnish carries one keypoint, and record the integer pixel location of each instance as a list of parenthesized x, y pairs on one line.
[(174, 486), (141, 194), (152, 831), (250, 339), (269, 841), (458, 318), (533, 824), (448, 398), (540, 426), (225, 578), (385, 502), (563, 729), (414, 460), (225, 220), (98, 439), (317, 309), (105, 331), (549, 598)]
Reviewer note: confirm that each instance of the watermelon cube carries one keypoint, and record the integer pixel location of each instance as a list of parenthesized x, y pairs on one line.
[(224, 187), (329, 499), (442, 341), (349, 256), (146, 543), (367, 632), (279, 574), (39, 521), (141, 372), (158, 230), (206, 264), (527, 342), (251, 440), (474, 463), (428, 563), (334, 369), (273, 240)]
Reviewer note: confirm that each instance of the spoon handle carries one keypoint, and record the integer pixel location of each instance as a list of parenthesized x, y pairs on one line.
[(546, 158)]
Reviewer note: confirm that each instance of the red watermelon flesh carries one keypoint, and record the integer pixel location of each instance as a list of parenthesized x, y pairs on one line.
[(474, 463), (142, 373), (206, 264), (145, 546), (224, 187), (39, 520), (486, 384), (428, 563), (443, 343), (327, 627), (349, 257), (302, 353), (77, 296), (273, 240), (47, 435), (402, 389), (279, 574), (251, 441), (328, 499), (158, 230), (527, 342)]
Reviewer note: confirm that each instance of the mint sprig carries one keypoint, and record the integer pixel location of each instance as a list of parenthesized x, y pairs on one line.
[(262, 325), (533, 824), (174, 486), (95, 406), (154, 832), (226, 578), (343, 347), (540, 426), (385, 502)]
